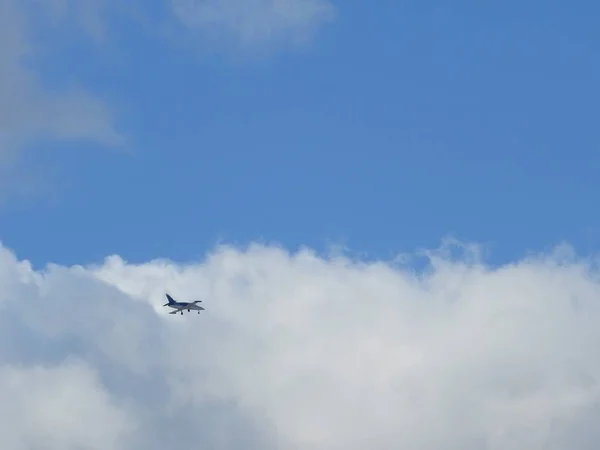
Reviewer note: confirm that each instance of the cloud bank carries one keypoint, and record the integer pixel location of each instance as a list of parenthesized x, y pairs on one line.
[(298, 351)]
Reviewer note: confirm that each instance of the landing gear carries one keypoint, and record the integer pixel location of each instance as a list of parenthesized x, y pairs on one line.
[(182, 313), (188, 310)]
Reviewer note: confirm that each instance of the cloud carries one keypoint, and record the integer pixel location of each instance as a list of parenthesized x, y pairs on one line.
[(31, 111), (59, 407), (88, 15), (255, 24), (299, 351)]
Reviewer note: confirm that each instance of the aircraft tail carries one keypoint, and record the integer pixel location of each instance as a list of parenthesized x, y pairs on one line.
[(170, 299)]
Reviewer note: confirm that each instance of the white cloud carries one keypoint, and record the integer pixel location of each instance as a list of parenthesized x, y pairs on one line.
[(302, 352), (59, 407), (29, 110), (255, 23)]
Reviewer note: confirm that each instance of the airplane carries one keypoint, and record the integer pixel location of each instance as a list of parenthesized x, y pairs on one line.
[(181, 306)]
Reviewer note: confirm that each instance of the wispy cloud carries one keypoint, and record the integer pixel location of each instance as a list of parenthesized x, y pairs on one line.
[(255, 24), (29, 110), (299, 351), (88, 15)]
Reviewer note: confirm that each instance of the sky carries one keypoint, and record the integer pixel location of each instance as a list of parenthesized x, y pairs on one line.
[(387, 210), (161, 129)]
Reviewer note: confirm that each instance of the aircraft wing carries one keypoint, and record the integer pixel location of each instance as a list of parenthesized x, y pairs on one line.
[(175, 311)]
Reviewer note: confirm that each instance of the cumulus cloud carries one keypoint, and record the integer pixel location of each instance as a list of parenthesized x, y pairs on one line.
[(255, 23), (300, 351)]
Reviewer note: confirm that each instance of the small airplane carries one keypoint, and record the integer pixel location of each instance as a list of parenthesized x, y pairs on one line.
[(181, 306)]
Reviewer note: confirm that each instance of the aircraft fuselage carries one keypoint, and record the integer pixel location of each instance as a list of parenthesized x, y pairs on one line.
[(186, 306)]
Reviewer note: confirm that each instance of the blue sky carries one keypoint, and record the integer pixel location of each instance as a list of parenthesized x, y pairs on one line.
[(387, 129)]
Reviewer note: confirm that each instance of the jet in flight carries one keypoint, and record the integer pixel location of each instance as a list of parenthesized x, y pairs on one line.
[(181, 306)]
